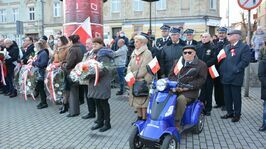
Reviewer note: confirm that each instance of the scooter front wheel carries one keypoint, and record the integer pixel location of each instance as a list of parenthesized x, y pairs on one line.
[(169, 142), (134, 140)]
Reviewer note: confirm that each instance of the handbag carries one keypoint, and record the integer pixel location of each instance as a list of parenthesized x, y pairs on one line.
[(140, 88)]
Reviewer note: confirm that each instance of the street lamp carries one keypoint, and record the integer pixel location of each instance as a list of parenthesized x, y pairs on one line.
[(150, 1)]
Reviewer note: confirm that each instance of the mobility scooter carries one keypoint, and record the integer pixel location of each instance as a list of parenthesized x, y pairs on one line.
[(159, 130)]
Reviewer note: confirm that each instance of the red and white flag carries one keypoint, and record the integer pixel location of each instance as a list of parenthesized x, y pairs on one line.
[(130, 79), (154, 65), (84, 31), (221, 55), (213, 72), (178, 66)]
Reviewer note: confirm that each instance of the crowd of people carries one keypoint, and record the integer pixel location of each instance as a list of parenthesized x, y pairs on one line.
[(225, 52)]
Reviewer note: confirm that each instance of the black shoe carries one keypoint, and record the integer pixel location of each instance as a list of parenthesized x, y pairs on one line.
[(64, 109), (262, 128), (226, 116), (217, 106), (88, 116), (120, 93), (81, 102), (223, 108), (2, 92), (235, 119), (70, 115), (96, 122), (39, 105), (42, 106), (96, 126), (105, 128), (208, 113), (13, 95), (8, 94)]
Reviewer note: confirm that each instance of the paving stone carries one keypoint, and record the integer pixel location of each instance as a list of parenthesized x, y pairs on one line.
[(24, 126)]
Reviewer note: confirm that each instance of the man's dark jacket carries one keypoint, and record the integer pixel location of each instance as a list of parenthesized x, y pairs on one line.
[(197, 79), (169, 55), (13, 52), (206, 53), (232, 68)]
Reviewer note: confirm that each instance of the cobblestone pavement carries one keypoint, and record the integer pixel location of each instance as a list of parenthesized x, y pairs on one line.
[(23, 126)]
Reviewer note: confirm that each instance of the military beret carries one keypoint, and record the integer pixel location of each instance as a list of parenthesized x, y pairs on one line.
[(44, 38), (145, 35), (222, 29), (189, 31), (165, 28), (174, 30), (234, 32), (189, 47)]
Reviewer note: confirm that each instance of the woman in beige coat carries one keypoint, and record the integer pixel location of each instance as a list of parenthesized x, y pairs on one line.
[(140, 57)]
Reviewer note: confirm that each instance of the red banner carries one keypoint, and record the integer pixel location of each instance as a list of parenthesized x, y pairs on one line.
[(77, 11)]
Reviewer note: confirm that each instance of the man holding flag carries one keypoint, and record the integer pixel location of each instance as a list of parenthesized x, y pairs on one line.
[(232, 70), (220, 43), (188, 61)]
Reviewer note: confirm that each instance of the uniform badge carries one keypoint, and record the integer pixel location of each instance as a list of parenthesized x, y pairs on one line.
[(208, 52)]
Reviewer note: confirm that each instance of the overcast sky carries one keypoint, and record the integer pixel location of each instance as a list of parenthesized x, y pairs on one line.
[(234, 11)]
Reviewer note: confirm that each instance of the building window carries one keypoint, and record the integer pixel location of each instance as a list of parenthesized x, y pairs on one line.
[(115, 5), (32, 13), (138, 5), (3, 15), (138, 28), (161, 5), (57, 9), (15, 14), (213, 4)]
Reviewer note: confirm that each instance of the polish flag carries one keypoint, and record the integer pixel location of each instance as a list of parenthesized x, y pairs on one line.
[(84, 31), (154, 65), (130, 79), (221, 55), (213, 72), (178, 66)]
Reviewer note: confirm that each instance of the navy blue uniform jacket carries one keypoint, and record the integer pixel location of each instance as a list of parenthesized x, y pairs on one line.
[(232, 68)]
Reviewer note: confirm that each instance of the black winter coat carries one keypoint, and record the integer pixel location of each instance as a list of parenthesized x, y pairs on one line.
[(206, 53), (262, 78), (13, 52), (169, 55), (232, 68), (26, 54)]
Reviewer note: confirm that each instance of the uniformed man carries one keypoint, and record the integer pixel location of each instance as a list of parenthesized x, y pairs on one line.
[(171, 52), (206, 53), (162, 41), (220, 43), (232, 70), (189, 34)]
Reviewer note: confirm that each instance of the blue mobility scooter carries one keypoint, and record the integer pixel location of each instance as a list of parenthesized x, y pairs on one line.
[(159, 130)]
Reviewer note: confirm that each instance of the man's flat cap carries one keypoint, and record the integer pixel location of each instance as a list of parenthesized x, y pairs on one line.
[(189, 31), (234, 32), (189, 47)]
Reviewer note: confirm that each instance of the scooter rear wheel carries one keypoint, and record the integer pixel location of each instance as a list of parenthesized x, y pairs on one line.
[(134, 140), (169, 142), (199, 127)]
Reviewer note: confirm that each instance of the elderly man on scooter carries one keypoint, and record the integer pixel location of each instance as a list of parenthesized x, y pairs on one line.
[(188, 61)]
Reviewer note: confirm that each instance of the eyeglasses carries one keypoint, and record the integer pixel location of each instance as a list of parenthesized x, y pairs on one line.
[(189, 53)]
